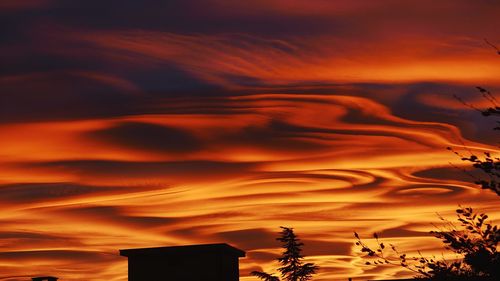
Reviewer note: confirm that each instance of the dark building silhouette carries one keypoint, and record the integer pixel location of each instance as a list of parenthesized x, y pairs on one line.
[(208, 262), (45, 278)]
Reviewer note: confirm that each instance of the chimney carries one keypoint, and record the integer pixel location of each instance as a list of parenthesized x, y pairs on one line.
[(208, 262), (45, 278)]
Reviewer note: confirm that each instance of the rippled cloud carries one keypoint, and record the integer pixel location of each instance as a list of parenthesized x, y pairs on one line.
[(127, 124), (325, 164)]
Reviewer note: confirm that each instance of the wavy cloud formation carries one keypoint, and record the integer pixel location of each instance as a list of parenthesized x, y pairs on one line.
[(325, 164), (153, 123)]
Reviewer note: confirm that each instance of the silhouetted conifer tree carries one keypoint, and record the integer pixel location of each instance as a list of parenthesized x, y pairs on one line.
[(291, 260)]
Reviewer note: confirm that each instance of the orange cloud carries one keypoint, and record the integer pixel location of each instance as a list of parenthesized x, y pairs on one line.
[(231, 59), (325, 164), (172, 122)]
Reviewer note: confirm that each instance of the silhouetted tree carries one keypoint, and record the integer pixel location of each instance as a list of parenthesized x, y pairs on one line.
[(488, 164), (291, 260), (474, 241)]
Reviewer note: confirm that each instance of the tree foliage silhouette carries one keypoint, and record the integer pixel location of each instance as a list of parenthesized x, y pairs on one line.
[(488, 164), (474, 241), (292, 266)]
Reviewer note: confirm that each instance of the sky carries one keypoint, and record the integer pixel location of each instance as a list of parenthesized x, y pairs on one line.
[(128, 124)]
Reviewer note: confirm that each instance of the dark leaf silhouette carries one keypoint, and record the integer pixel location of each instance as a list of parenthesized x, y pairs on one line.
[(488, 164), (474, 240)]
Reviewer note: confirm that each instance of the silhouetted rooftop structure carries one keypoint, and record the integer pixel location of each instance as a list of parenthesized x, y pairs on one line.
[(207, 262), (45, 278)]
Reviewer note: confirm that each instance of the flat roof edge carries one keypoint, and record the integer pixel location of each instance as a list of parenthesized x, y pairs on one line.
[(172, 250)]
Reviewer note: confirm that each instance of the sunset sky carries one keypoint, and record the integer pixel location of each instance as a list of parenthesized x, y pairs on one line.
[(150, 123)]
